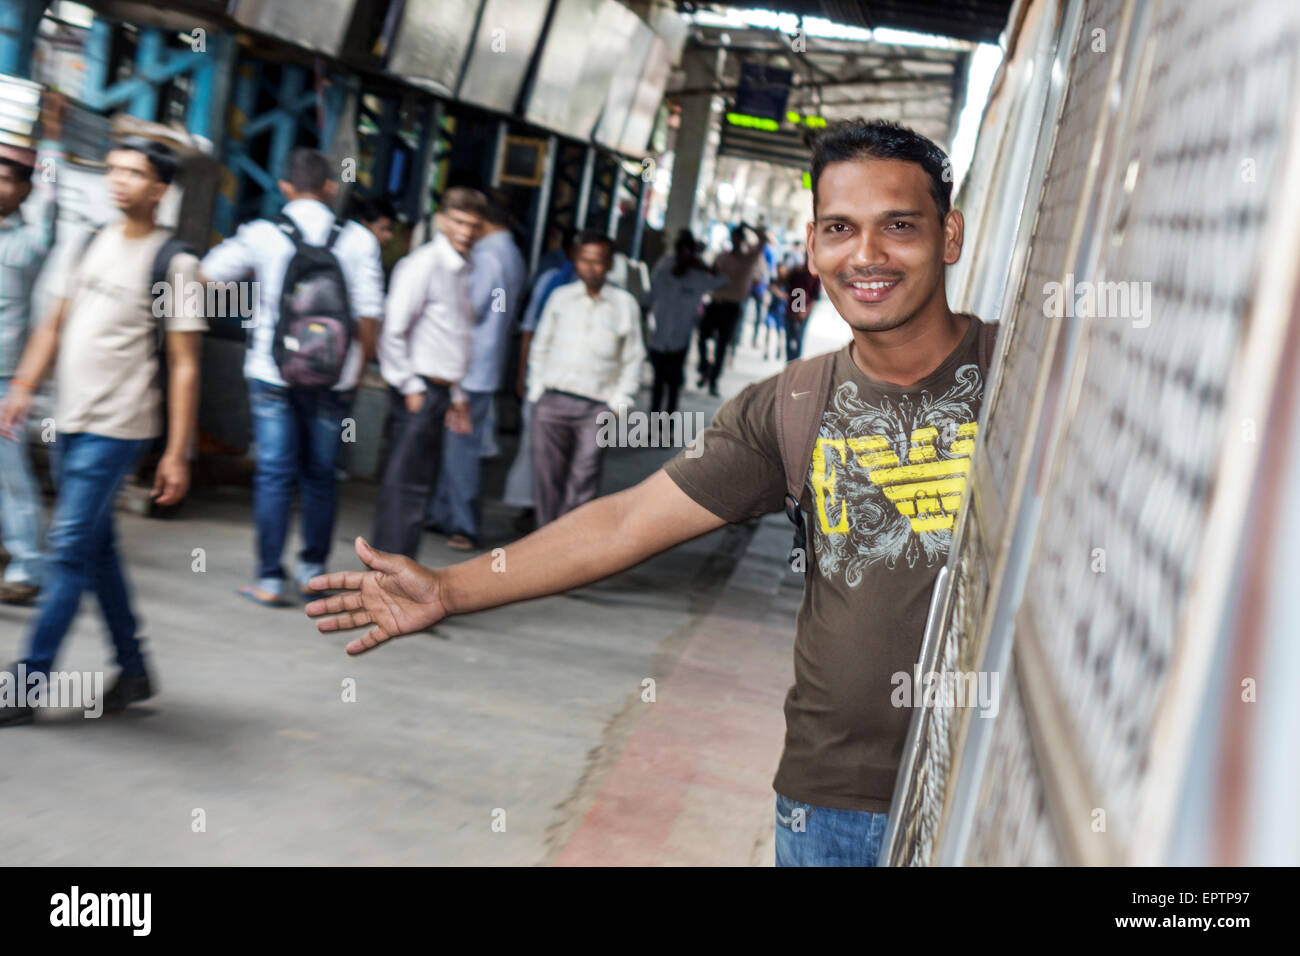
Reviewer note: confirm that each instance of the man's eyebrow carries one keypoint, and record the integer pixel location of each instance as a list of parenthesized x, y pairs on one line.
[(888, 214)]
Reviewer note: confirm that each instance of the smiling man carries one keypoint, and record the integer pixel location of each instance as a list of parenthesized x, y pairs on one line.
[(872, 441)]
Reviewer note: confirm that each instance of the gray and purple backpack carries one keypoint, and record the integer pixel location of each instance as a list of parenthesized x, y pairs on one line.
[(315, 327)]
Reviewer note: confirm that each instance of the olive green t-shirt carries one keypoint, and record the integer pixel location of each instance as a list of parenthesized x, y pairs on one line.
[(887, 476)]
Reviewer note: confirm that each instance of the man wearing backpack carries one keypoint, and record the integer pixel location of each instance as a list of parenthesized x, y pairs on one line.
[(424, 352), (869, 448), (103, 333), (320, 289)]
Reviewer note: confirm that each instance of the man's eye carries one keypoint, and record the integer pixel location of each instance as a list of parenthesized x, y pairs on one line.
[(900, 224), (836, 226)]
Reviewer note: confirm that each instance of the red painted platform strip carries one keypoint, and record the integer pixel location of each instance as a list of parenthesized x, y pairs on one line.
[(693, 783)]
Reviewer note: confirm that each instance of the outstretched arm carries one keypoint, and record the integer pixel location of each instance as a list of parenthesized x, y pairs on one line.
[(605, 536)]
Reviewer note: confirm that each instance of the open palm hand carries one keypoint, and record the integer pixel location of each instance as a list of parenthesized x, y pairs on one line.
[(397, 596)]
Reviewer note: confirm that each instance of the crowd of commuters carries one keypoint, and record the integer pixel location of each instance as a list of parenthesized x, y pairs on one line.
[(439, 328)]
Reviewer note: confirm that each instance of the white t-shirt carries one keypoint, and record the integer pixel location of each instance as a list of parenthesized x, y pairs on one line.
[(107, 367)]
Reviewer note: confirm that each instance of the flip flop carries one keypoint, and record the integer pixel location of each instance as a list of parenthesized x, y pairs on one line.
[(248, 591), (458, 542)]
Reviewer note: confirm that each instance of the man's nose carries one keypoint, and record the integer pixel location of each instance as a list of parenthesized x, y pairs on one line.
[(869, 250)]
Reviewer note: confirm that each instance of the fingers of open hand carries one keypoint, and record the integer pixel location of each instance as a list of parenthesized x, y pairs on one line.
[(337, 581), (335, 604), (370, 639), (345, 621)]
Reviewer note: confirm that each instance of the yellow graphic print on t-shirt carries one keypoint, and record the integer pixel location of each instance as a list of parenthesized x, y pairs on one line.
[(927, 490), (888, 473)]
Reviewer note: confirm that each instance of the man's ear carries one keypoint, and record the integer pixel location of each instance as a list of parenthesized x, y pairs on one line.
[(286, 188), (954, 229), (809, 233), (330, 189)]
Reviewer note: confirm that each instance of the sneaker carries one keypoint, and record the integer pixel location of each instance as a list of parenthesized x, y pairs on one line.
[(127, 689), (11, 715)]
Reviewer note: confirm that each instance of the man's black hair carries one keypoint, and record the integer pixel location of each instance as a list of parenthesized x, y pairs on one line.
[(498, 207), (307, 170), (373, 208), (881, 139), (21, 170), (594, 237), (160, 155)]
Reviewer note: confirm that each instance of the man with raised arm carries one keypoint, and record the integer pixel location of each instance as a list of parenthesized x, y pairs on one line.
[(889, 442)]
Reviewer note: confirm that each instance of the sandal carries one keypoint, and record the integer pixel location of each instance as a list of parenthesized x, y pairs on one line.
[(258, 596)]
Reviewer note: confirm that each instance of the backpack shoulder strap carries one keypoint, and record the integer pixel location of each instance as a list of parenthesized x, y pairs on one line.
[(335, 230), (802, 390), (172, 247), (288, 227)]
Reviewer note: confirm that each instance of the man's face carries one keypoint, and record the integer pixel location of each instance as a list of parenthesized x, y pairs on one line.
[(592, 263), (461, 229), (382, 228), (877, 242), (13, 190), (132, 181)]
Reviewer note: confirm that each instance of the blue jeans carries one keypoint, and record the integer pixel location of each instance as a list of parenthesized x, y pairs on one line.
[(821, 836), (83, 550), (297, 432), (456, 506), (20, 508)]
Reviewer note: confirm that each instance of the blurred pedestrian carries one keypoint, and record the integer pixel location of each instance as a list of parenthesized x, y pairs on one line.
[(802, 289), (496, 286), (742, 265), (424, 354), (519, 480), (298, 428), (677, 286), (23, 250), (103, 334), (585, 360)]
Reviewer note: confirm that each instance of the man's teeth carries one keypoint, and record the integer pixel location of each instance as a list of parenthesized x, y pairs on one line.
[(873, 285)]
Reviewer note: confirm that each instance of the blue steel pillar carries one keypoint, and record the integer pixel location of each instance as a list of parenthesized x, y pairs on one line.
[(18, 22), (155, 65)]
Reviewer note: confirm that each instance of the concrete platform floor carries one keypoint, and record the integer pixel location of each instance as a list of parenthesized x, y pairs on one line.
[(530, 715)]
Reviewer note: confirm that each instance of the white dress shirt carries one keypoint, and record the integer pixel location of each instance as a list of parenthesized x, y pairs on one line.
[(262, 249), (588, 345), (429, 321)]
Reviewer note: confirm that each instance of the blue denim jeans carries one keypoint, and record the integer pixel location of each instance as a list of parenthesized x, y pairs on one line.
[(20, 508), (820, 836), (298, 435), (456, 506), (83, 549)]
